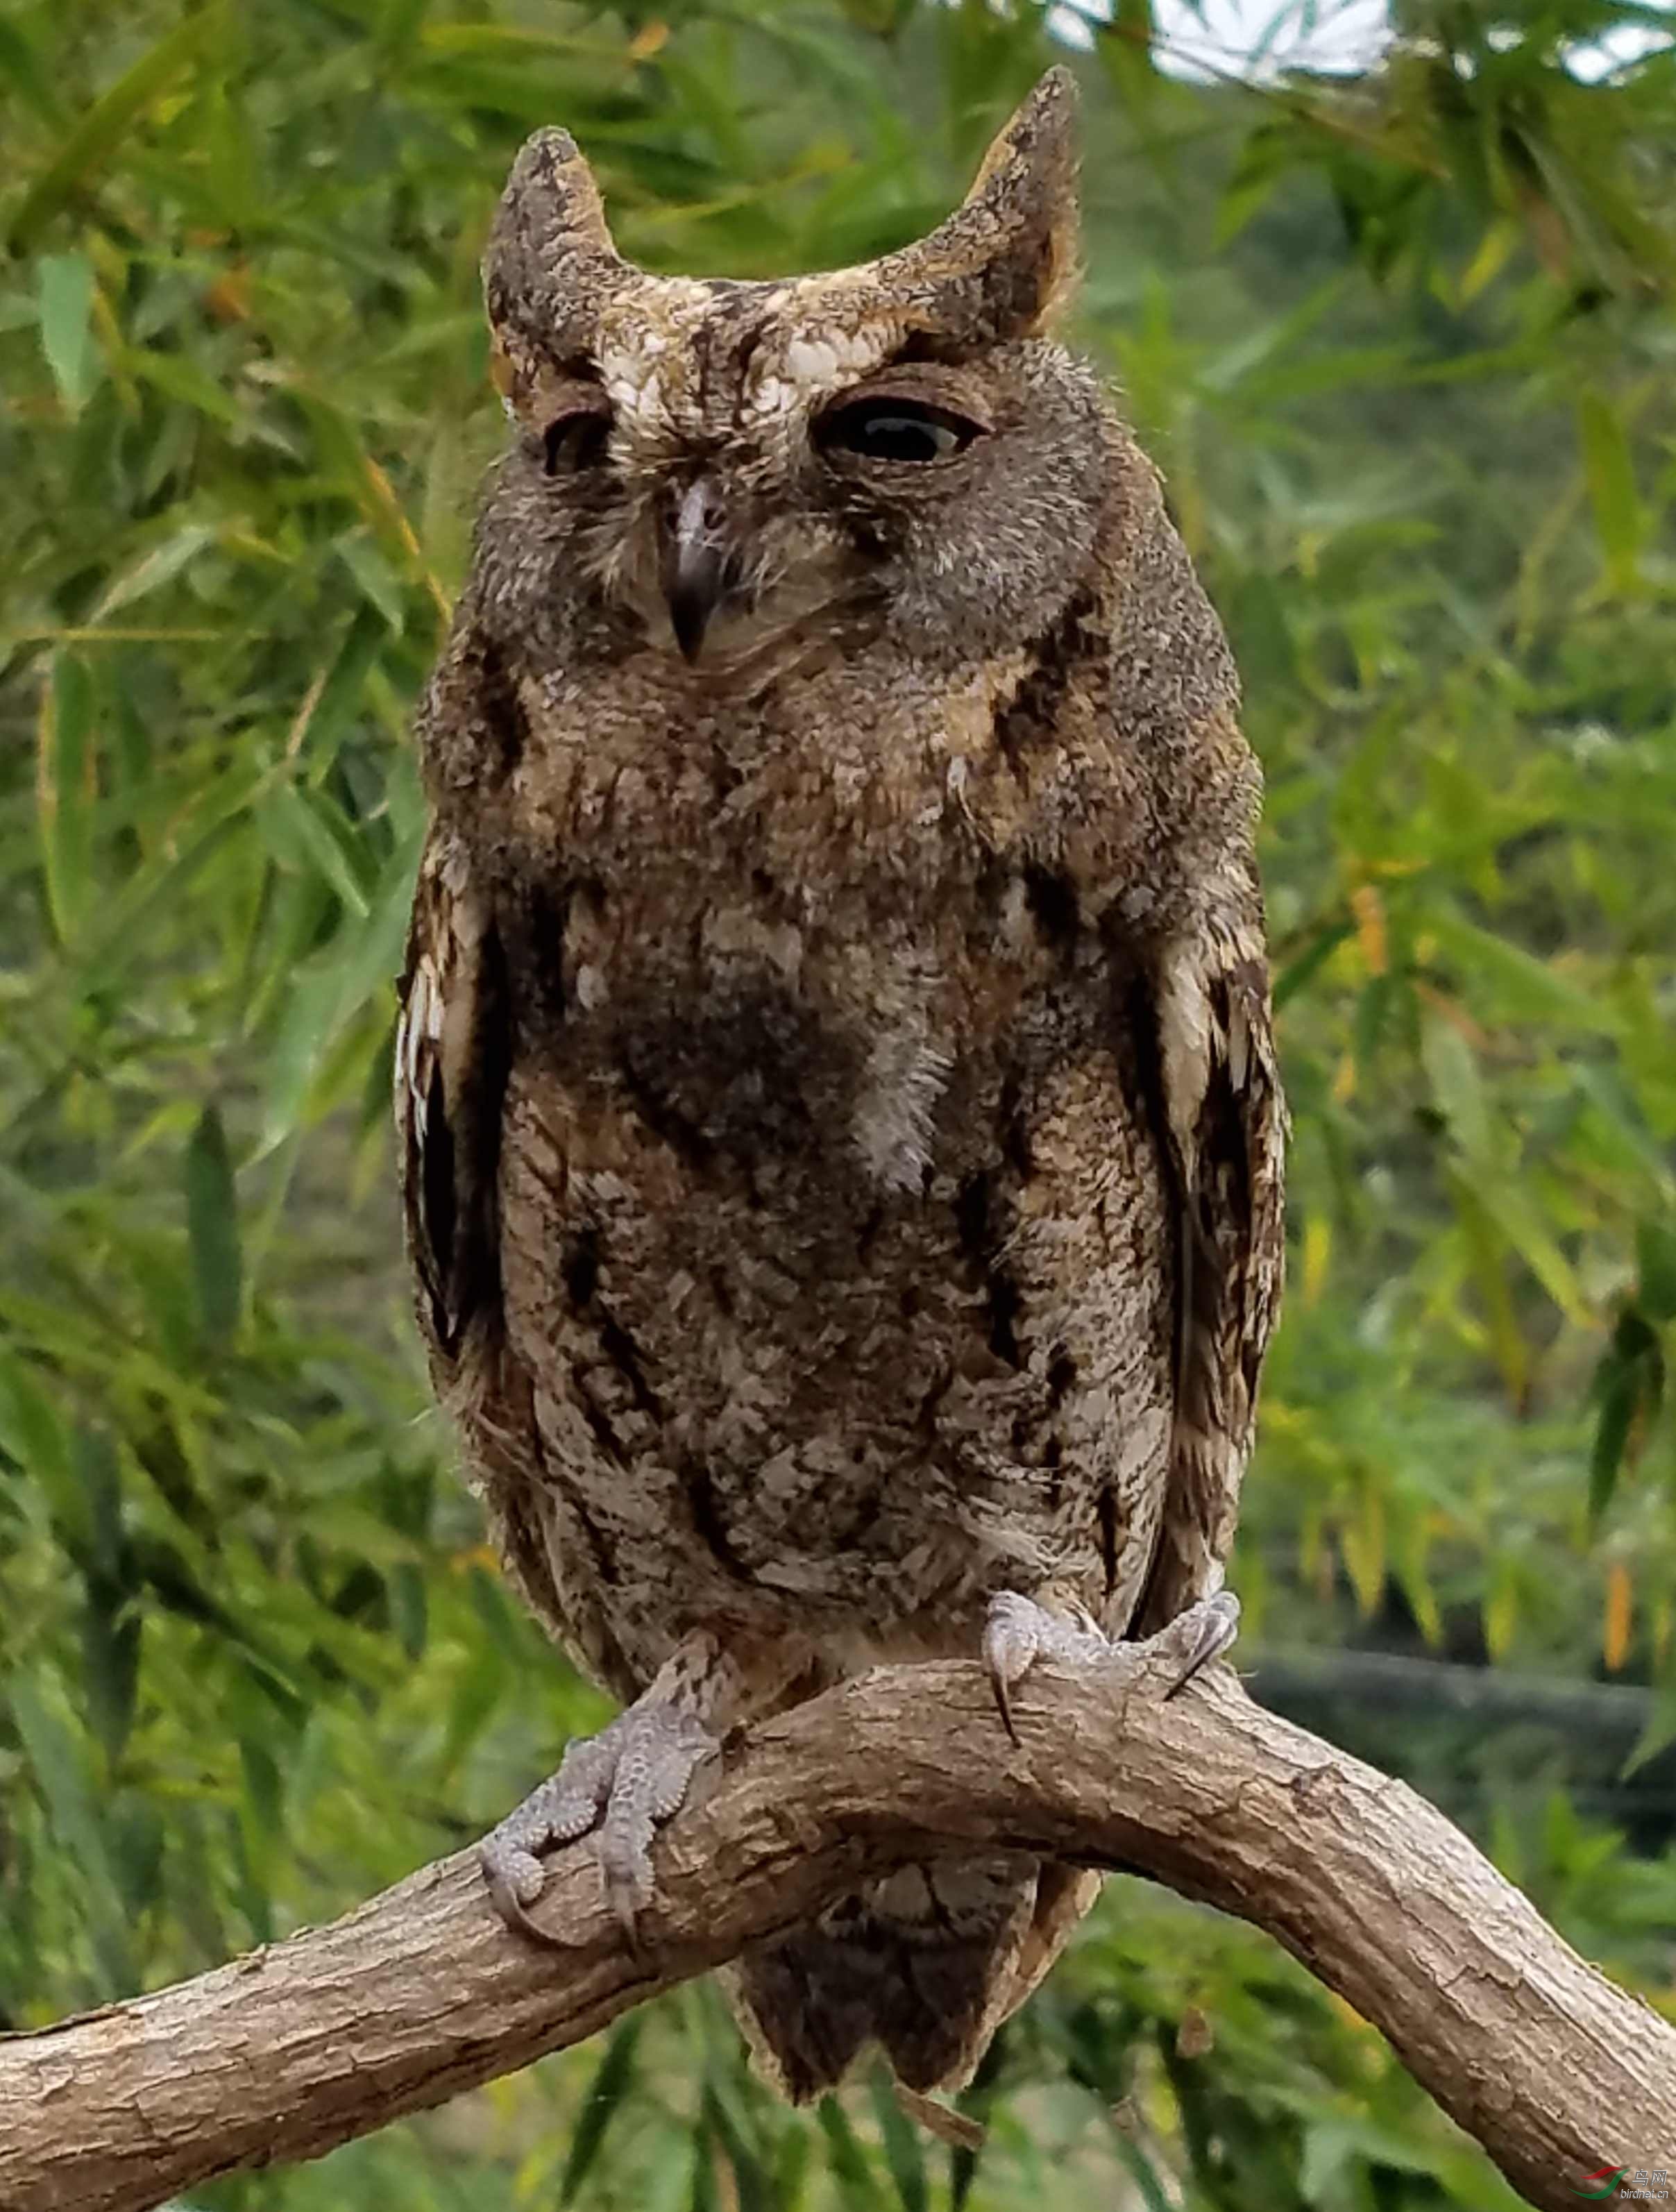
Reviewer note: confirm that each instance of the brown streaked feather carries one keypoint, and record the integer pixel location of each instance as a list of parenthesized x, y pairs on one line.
[(1226, 1124), (452, 1056)]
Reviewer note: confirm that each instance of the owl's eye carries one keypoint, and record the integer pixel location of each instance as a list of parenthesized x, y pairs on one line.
[(575, 440), (910, 430)]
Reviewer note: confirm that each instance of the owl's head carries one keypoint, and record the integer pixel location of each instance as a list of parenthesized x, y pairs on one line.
[(702, 464)]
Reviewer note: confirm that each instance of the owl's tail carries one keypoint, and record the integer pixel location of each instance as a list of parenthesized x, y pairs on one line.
[(927, 1963)]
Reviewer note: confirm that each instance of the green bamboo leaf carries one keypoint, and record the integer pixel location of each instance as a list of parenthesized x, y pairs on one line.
[(66, 285), (1142, 2172), (111, 1621), (1610, 470), (96, 137), (408, 1608), (212, 1220), (28, 74), (1452, 1069), (178, 378), (1503, 982), (611, 2085), (729, 2131), (901, 2138), (61, 1774), (63, 796), (1628, 1390), (33, 1433), (376, 579), (159, 566), (298, 828), (337, 702), (1515, 1213), (1314, 956), (1655, 1262), (1615, 1389), (847, 2159)]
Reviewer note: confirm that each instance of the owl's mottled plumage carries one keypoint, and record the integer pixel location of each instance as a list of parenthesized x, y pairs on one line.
[(841, 1138)]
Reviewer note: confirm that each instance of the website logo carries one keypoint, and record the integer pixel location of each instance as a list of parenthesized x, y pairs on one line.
[(1626, 2185)]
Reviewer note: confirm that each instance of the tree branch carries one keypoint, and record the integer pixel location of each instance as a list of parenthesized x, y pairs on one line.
[(422, 1993)]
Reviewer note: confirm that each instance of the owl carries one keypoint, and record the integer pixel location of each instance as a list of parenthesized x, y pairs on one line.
[(838, 1112)]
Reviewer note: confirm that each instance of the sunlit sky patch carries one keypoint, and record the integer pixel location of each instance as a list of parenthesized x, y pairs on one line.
[(1253, 40)]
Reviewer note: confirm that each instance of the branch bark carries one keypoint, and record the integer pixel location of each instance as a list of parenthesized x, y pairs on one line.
[(421, 1993)]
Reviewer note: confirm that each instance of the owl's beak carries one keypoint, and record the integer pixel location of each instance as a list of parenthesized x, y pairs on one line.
[(695, 568)]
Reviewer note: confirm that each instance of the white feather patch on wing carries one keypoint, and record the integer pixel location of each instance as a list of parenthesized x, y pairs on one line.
[(896, 1112), (1186, 1040)]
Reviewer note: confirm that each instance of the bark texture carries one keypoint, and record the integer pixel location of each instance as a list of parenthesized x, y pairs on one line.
[(423, 1992)]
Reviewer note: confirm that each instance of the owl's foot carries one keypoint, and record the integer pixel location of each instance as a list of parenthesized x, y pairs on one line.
[(617, 1786), (1020, 1631)]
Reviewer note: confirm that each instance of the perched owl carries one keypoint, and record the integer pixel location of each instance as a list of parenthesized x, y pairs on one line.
[(838, 1110)]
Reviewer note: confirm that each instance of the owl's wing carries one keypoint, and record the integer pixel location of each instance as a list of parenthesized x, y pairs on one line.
[(1224, 1128), (450, 1077)]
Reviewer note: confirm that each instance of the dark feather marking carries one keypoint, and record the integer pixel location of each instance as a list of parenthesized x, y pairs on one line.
[(539, 916), (503, 714), (1016, 1149), (1141, 1072), (1051, 896), (458, 1256), (438, 1199), (1004, 1305), (700, 1486), (1228, 1231), (624, 1354), (926, 1412), (972, 1216), (580, 1267), (603, 1434), (1109, 1547), (683, 1136), (979, 1239), (1031, 716)]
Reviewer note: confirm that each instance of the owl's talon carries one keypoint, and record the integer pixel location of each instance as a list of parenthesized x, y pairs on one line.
[(510, 1876), (1019, 1632), (1196, 1637), (1009, 1649), (619, 1786)]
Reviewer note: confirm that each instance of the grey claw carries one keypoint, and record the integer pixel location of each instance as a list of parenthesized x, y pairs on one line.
[(504, 1897), (1010, 1642), (1018, 1631), (1203, 1633)]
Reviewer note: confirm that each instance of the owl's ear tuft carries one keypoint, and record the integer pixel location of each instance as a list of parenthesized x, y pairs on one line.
[(549, 263), (1004, 262), (1028, 176), (1025, 195)]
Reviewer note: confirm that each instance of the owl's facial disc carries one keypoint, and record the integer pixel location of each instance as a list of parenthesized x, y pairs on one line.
[(716, 467)]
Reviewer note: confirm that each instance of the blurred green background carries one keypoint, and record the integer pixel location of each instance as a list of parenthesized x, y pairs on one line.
[(1404, 344)]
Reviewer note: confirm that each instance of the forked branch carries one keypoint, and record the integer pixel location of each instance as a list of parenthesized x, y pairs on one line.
[(423, 1992)]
